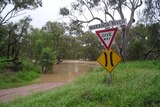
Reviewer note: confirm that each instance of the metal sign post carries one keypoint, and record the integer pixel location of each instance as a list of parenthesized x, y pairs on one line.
[(110, 80), (108, 58)]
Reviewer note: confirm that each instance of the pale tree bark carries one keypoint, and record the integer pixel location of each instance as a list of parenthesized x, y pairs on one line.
[(134, 4)]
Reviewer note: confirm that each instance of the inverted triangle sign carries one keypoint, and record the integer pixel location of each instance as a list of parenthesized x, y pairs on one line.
[(107, 36)]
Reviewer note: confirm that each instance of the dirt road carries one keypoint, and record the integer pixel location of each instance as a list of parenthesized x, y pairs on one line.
[(10, 94), (63, 73)]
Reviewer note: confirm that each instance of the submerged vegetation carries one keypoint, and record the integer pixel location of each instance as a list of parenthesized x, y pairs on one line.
[(135, 84)]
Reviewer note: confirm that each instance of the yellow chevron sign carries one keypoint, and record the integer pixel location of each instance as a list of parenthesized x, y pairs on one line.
[(109, 60)]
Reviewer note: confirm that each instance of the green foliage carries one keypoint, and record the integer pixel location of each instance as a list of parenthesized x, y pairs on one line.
[(2, 64), (46, 39), (29, 66), (142, 40), (27, 75), (47, 56), (90, 46), (18, 79), (135, 84), (154, 35), (70, 48), (10, 79), (2, 40), (136, 50)]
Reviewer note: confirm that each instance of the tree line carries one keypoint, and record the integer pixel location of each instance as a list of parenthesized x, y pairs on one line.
[(56, 41)]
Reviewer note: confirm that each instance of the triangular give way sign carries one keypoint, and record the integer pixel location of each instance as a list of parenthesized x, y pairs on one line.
[(107, 36)]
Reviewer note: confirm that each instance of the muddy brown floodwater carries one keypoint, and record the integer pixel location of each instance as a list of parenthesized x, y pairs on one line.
[(68, 70), (62, 73)]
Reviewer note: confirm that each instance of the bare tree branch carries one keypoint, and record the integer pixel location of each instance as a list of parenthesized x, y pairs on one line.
[(84, 16), (2, 8), (95, 18), (106, 10), (131, 3), (2, 21), (125, 4), (131, 19), (89, 9), (138, 5), (136, 2), (20, 35), (119, 9), (13, 16), (105, 5), (110, 15), (156, 18)]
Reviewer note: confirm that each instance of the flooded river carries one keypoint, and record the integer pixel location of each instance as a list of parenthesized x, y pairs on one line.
[(68, 70)]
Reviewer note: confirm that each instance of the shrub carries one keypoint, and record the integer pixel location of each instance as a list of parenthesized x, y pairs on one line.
[(30, 66), (27, 76), (2, 64)]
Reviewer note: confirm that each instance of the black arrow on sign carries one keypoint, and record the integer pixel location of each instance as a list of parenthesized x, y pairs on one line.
[(106, 59), (111, 59)]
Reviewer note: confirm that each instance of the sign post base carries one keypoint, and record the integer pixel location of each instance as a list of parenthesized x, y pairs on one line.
[(110, 80)]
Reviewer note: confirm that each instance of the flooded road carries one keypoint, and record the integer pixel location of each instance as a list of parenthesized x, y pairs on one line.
[(68, 70), (62, 73)]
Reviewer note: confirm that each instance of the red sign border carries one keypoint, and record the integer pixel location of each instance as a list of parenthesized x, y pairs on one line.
[(107, 30)]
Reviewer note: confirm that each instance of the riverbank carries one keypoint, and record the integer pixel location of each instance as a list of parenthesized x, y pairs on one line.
[(135, 84)]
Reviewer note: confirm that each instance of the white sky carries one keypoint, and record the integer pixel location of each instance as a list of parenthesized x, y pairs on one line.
[(50, 12)]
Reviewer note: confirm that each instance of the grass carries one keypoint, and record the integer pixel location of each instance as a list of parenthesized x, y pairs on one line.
[(28, 75), (9, 80), (135, 84)]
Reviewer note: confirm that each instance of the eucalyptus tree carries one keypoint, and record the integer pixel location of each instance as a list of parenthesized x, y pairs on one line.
[(40, 48), (103, 10), (2, 40), (16, 33), (137, 42), (153, 38), (29, 45), (152, 11), (56, 31), (152, 19), (71, 47), (90, 46), (16, 8), (12, 38)]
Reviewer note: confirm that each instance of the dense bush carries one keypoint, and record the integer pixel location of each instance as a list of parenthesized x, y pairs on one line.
[(29, 72), (2, 64)]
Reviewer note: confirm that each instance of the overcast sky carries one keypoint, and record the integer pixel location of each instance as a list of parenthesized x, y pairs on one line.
[(50, 12)]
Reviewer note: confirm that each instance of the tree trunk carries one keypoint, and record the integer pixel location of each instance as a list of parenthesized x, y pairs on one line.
[(16, 54), (125, 44), (123, 47), (8, 47), (44, 68)]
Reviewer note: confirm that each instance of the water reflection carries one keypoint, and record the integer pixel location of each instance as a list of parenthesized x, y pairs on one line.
[(68, 70)]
